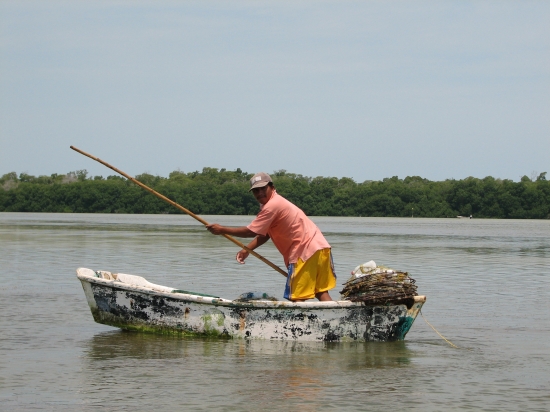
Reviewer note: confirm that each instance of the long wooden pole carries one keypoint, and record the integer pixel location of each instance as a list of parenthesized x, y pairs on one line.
[(194, 216)]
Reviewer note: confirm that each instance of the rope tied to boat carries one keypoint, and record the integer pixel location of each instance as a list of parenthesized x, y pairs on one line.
[(440, 335), (379, 285)]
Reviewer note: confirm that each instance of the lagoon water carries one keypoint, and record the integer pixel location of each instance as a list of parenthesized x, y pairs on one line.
[(487, 284)]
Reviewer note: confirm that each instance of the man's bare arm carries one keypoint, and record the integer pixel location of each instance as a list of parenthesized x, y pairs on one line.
[(242, 231), (258, 241)]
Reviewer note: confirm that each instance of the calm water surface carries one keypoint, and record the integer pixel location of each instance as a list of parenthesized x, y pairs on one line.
[(487, 283)]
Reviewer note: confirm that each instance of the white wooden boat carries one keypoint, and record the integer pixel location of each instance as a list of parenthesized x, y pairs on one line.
[(132, 303)]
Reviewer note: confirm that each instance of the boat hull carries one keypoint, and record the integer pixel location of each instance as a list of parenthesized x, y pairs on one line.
[(142, 308)]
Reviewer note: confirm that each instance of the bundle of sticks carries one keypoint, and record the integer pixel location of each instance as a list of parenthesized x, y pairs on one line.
[(379, 285)]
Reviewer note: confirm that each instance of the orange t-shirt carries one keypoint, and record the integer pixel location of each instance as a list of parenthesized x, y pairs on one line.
[(292, 232)]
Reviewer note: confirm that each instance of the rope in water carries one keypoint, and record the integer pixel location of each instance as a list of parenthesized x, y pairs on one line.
[(382, 285), (442, 337)]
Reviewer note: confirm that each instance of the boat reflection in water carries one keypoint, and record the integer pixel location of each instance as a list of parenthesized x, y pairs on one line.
[(216, 372)]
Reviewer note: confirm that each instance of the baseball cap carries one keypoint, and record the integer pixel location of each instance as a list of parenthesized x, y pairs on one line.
[(259, 180)]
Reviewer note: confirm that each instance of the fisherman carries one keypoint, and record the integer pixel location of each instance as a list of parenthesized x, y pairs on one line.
[(306, 252)]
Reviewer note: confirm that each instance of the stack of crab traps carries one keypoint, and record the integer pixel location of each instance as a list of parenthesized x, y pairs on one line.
[(378, 285)]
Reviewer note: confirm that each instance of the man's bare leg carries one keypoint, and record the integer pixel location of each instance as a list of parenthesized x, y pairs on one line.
[(323, 296)]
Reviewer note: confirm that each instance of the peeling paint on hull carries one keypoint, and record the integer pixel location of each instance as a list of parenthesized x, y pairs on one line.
[(140, 308)]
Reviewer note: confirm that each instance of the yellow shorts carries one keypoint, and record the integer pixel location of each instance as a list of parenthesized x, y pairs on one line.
[(306, 279)]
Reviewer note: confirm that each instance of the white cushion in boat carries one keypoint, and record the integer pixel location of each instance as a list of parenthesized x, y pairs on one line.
[(86, 272), (140, 281)]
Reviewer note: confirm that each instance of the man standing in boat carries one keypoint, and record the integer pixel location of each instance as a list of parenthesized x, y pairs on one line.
[(306, 252)]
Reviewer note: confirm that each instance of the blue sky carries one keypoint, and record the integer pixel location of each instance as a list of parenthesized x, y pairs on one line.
[(365, 90)]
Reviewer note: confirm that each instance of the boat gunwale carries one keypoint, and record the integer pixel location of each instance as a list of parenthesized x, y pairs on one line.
[(216, 301)]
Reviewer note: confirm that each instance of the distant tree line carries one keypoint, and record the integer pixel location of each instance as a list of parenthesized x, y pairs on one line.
[(219, 191)]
